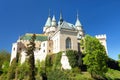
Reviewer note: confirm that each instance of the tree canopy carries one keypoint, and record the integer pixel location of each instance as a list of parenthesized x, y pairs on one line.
[(95, 56)]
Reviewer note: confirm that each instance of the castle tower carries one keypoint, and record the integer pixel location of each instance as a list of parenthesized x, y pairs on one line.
[(78, 26), (61, 19), (102, 39), (54, 24), (47, 24)]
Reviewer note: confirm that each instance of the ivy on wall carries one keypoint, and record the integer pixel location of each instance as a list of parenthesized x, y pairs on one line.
[(73, 58)]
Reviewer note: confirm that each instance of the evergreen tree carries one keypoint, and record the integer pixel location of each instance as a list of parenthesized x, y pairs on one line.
[(119, 59), (95, 57), (30, 54)]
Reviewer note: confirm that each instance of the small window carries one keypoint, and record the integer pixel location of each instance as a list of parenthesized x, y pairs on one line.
[(44, 51), (43, 44), (50, 45), (14, 49), (49, 51), (20, 49)]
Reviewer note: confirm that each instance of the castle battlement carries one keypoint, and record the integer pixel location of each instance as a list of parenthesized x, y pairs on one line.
[(102, 36)]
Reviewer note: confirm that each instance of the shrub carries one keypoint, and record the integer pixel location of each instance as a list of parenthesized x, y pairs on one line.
[(73, 58)]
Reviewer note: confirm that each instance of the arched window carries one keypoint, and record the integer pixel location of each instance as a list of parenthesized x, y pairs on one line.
[(68, 43)]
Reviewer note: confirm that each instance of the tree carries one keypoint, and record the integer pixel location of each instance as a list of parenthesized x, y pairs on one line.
[(30, 54), (4, 58), (12, 69), (95, 57), (119, 59)]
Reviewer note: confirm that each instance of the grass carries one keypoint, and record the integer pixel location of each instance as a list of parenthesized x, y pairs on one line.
[(113, 74)]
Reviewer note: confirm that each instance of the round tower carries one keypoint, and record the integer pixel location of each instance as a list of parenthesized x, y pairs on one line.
[(53, 24), (47, 25), (78, 26)]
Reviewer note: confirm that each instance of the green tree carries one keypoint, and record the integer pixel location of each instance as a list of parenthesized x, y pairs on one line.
[(119, 59), (4, 58), (30, 54), (11, 70), (95, 57), (22, 71)]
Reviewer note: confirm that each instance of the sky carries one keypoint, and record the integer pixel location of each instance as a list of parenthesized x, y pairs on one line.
[(18, 17)]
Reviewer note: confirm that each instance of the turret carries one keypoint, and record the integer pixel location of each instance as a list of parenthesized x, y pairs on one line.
[(78, 26), (61, 19), (54, 24), (78, 23), (47, 24), (102, 39)]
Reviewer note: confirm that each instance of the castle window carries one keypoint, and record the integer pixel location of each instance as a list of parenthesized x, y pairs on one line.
[(49, 51), (68, 43), (20, 49), (44, 51), (14, 49), (50, 44), (43, 44)]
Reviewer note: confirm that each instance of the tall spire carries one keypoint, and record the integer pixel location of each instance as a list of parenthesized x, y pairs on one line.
[(48, 22), (49, 13), (78, 24), (61, 18)]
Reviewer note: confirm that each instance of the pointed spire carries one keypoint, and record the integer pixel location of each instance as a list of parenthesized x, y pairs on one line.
[(78, 24), (53, 21), (49, 13), (48, 22), (61, 18)]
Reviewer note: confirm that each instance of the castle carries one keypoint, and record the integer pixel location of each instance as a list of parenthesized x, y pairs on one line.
[(56, 37)]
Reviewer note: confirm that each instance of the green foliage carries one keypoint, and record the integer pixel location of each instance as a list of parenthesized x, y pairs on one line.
[(22, 71), (49, 61), (113, 64), (57, 75), (41, 70), (5, 67), (30, 54), (11, 70), (119, 59), (4, 57), (56, 61), (73, 58), (113, 74), (95, 57)]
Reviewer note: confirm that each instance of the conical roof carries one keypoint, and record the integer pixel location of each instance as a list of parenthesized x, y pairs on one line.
[(53, 21), (78, 23), (48, 22)]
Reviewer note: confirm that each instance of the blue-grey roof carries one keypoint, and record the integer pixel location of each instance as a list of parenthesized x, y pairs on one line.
[(66, 25)]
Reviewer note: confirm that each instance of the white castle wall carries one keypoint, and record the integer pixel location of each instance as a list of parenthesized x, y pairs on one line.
[(13, 52), (102, 39), (23, 56), (65, 62), (56, 42)]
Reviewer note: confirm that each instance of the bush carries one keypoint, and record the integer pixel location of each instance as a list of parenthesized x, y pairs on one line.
[(57, 75), (22, 71), (73, 58), (56, 61)]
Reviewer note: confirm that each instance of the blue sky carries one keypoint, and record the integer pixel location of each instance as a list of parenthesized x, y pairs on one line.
[(18, 17)]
